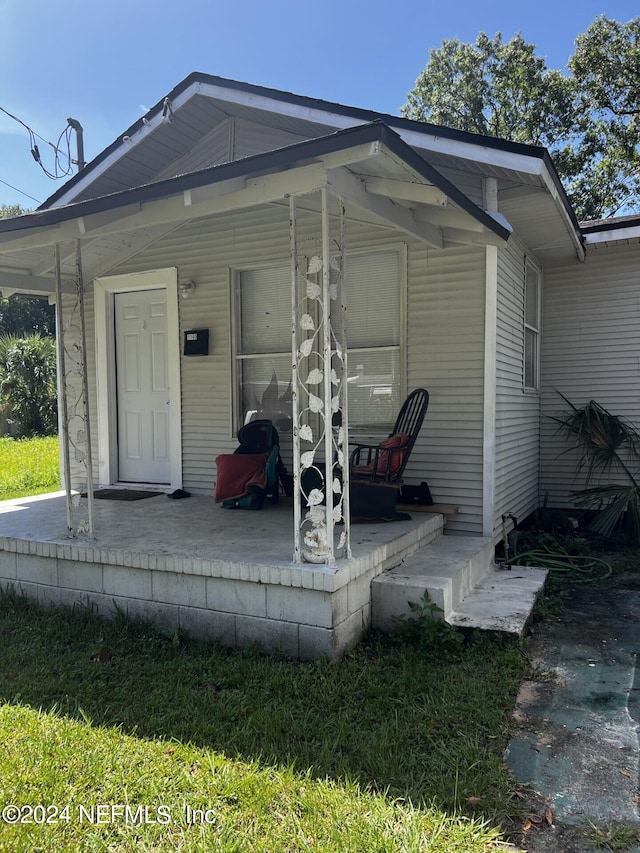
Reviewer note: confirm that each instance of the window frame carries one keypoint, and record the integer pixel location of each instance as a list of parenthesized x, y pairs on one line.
[(532, 330), (237, 357)]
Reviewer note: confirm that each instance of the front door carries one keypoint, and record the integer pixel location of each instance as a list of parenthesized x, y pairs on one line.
[(142, 386)]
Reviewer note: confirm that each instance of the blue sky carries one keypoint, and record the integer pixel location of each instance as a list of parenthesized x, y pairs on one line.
[(106, 63)]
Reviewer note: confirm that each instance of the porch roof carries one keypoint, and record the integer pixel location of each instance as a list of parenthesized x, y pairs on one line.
[(377, 174)]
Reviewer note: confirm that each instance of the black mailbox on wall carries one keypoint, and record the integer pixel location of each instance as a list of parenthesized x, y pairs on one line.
[(196, 342)]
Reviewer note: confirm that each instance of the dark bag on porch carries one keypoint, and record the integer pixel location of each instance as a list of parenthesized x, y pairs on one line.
[(251, 474)]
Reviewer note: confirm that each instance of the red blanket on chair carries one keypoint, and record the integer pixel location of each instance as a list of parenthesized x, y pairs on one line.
[(238, 471)]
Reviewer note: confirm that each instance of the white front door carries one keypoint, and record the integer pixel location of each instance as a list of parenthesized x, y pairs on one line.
[(142, 386)]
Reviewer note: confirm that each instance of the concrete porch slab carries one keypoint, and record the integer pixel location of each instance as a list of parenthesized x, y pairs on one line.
[(190, 565)]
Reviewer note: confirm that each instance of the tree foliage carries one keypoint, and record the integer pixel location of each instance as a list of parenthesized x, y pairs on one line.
[(495, 88), (606, 73), (587, 118), (28, 383), (24, 315)]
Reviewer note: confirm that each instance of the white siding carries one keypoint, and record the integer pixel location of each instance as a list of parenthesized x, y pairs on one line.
[(446, 355), (591, 350), (445, 352), (253, 138), (232, 139), (517, 411), (211, 150)]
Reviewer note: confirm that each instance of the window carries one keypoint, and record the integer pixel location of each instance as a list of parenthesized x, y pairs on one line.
[(374, 336), (263, 345), (263, 341), (531, 327)]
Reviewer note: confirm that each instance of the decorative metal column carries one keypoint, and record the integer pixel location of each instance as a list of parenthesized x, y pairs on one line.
[(74, 398), (319, 382)]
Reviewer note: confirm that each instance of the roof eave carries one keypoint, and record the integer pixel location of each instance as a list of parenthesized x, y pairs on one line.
[(278, 160)]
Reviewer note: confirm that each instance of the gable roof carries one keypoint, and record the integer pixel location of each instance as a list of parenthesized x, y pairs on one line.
[(298, 114), (163, 144)]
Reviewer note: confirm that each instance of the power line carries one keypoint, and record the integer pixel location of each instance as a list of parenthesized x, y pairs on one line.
[(37, 200), (60, 170)]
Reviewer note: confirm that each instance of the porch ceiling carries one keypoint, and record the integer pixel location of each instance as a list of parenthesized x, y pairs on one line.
[(379, 177)]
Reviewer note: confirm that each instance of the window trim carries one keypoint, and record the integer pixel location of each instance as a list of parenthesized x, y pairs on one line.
[(536, 330)]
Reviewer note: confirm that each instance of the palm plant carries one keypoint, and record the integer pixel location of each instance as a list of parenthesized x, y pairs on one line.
[(609, 446), (28, 382)]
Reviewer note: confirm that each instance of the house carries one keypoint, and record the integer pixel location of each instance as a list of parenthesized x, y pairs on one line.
[(232, 216)]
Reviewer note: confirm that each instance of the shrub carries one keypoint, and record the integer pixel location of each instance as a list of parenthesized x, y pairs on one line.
[(28, 383)]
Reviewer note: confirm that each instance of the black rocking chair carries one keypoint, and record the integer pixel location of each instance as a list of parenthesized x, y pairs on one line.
[(376, 469)]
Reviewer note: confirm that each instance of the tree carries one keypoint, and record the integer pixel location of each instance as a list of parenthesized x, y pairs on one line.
[(493, 88), (606, 72), (24, 315), (608, 445), (7, 210), (586, 118)]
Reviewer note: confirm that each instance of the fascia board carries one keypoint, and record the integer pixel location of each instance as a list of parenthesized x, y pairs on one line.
[(612, 235), (468, 150)]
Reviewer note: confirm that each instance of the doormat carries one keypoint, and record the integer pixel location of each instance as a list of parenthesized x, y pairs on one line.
[(122, 495)]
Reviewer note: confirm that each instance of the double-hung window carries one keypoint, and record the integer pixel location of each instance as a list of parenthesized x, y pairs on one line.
[(375, 333), (262, 333), (375, 337), (532, 300)]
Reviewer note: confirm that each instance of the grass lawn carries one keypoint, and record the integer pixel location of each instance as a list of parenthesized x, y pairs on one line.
[(28, 467), (114, 737), (398, 747)]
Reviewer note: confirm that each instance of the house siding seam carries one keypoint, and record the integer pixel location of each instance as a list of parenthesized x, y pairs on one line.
[(517, 413), (591, 319)]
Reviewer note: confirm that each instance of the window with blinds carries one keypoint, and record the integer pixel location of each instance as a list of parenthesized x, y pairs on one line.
[(262, 337)]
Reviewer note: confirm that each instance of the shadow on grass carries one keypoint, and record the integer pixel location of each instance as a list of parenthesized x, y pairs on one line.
[(398, 717)]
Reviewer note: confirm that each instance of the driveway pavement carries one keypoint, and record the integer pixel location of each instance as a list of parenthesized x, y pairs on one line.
[(577, 729)]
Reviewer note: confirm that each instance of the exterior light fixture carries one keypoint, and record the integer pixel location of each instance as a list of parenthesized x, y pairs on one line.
[(186, 288)]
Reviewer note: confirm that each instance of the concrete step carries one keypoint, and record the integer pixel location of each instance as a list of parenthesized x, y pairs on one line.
[(462, 579), (448, 568), (502, 601)]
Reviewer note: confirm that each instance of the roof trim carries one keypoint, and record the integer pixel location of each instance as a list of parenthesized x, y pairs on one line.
[(280, 159), (609, 230), (194, 82)]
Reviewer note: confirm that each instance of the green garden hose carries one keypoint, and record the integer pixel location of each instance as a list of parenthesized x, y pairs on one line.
[(577, 569)]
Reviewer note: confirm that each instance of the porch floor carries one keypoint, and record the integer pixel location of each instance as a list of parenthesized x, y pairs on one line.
[(191, 528)]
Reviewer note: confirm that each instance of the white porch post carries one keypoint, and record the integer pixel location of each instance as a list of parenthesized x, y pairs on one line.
[(88, 460), (74, 396), (63, 414), (319, 382)]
